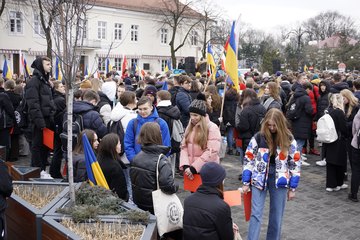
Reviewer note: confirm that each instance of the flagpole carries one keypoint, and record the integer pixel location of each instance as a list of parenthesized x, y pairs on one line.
[(223, 99)]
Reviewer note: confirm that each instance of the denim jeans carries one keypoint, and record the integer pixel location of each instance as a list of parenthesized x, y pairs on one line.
[(300, 144), (128, 182), (277, 206), (230, 137)]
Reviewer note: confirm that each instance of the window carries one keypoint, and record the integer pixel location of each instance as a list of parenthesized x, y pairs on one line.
[(118, 64), (146, 66), (134, 64), (194, 38), (101, 30), (16, 22), (37, 25), (101, 64), (117, 31), (163, 65), (84, 28), (134, 33), (163, 35)]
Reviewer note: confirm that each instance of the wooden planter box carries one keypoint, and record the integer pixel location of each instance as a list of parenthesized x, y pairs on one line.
[(23, 173), (23, 219), (54, 230)]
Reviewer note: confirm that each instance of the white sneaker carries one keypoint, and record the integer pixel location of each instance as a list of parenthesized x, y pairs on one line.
[(303, 163), (337, 188), (45, 175), (329, 189), (303, 158), (321, 163), (333, 189), (344, 186)]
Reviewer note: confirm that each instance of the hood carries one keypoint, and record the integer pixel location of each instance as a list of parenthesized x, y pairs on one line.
[(155, 149), (328, 87), (119, 112), (39, 69), (208, 190), (337, 87), (170, 111), (81, 106), (151, 118), (109, 89), (104, 97), (299, 91)]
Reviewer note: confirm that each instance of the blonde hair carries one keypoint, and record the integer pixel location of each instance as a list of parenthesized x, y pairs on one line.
[(201, 133), (96, 84), (283, 136), (274, 90), (337, 101), (353, 101)]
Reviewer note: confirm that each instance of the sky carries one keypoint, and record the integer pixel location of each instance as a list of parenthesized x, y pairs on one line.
[(267, 15)]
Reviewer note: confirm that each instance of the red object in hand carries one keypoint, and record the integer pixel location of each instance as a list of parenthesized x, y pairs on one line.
[(247, 205)]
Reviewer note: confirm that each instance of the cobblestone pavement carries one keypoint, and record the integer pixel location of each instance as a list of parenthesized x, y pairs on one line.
[(314, 214)]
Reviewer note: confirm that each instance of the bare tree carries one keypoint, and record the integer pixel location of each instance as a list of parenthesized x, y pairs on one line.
[(68, 31), (2, 7), (178, 16)]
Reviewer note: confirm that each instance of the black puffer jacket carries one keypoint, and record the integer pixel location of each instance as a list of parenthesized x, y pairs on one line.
[(248, 119), (323, 101), (39, 96), (15, 100), (169, 113), (7, 116), (60, 103), (143, 175), (286, 87), (230, 103), (114, 175), (337, 87), (302, 118), (183, 101), (207, 216), (92, 119), (6, 187)]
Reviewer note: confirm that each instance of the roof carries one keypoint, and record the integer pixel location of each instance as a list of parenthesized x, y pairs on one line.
[(147, 6), (334, 42)]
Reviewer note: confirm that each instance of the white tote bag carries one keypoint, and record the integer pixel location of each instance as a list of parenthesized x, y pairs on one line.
[(167, 208)]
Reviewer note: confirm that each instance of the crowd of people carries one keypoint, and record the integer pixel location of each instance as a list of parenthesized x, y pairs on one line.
[(270, 125)]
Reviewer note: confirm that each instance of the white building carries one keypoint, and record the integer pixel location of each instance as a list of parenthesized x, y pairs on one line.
[(134, 28)]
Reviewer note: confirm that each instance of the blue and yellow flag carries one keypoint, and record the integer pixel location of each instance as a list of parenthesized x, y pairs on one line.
[(305, 68), (6, 70), (93, 169), (211, 61), (58, 75), (231, 64)]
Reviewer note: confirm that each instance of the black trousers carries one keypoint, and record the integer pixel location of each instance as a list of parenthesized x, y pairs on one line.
[(39, 152), (334, 175), (55, 166), (5, 140), (355, 171)]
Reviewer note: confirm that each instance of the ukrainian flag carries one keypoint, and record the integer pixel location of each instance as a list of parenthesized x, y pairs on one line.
[(6, 70), (26, 69), (93, 169), (305, 68), (58, 75), (211, 61), (231, 59)]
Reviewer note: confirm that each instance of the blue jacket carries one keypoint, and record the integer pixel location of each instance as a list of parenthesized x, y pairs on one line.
[(183, 101), (131, 146), (91, 118)]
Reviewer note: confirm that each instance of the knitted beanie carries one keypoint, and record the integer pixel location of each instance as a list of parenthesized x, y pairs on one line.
[(198, 105), (150, 90), (212, 174)]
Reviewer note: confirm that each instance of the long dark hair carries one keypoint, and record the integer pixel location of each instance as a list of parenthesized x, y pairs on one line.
[(107, 147)]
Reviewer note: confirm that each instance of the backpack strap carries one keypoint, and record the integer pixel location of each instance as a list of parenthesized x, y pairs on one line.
[(267, 103)]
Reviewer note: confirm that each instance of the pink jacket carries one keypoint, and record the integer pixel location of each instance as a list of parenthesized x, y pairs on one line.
[(192, 154)]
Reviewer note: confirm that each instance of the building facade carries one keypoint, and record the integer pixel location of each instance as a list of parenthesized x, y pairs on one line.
[(113, 29)]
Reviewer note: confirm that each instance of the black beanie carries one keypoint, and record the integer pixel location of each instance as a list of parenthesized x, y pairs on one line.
[(212, 174), (198, 105)]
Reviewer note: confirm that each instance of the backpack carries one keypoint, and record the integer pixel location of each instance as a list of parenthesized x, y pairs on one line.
[(326, 131), (177, 135), (118, 129), (77, 127), (358, 138), (292, 109)]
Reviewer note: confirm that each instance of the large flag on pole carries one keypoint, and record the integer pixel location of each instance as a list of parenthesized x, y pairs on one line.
[(211, 61), (58, 75), (93, 169), (231, 64), (6, 70), (86, 71), (124, 65)]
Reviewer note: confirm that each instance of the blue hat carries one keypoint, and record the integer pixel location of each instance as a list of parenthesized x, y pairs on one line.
[(212, 174)]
